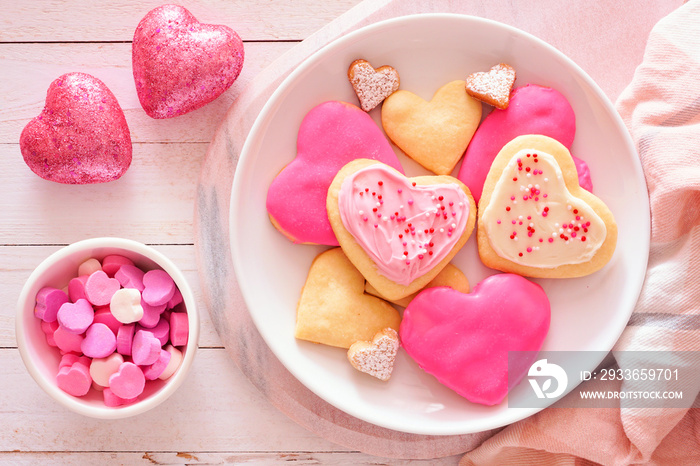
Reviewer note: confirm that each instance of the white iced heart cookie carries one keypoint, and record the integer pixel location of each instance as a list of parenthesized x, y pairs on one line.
[(534, 218)]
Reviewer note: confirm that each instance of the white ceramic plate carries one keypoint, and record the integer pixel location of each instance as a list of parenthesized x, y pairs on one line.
[(430, 50)]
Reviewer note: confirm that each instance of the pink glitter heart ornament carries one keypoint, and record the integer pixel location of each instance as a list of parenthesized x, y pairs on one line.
[(181, 64), (81, 135)]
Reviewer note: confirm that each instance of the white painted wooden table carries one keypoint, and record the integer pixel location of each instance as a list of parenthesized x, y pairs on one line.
[(217, 416)]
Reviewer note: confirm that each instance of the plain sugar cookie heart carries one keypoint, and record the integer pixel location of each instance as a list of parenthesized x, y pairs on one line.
[(399, 232), (464, 339), (81, 135), (181, 64), (331, 135), (435, 134), (334, 309), (376, 357), (535, 219), (372, 86)]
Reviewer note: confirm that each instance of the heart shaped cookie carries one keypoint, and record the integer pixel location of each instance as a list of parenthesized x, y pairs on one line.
[(333, 308), (331, 135), (372, 86), (533, 110), (464, 339), (535, 219), (181, 64), (493, 86), (376, 357), (435, 134), (399, 232), (81, 135)]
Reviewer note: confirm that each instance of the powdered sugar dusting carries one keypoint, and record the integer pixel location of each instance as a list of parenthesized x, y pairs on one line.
[(372, 86), (376, 358), (493, 86)]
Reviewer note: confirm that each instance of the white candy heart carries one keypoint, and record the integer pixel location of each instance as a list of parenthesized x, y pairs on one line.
[(101, 369), (126, 305)]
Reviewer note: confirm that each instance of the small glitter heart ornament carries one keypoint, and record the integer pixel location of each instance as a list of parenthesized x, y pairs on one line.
[(81, 135), (181, 64)]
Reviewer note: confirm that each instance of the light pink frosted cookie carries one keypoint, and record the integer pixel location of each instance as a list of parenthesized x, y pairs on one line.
[(399, 232), (532, 109), (534, 218), (331, 135), (464, 339)]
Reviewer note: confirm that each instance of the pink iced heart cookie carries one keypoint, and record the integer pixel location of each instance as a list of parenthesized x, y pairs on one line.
[(532, 110), (331, 135), (464, 339), (399, 232), (81, 135), (128, 382), (76, 317), (181, 64), (534, 218)]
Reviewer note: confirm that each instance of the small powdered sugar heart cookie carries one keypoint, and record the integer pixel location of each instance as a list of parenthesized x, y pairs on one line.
[(534, 218), (399, 232), (376, 357), (493, 86), (372, 86), (435, 134)]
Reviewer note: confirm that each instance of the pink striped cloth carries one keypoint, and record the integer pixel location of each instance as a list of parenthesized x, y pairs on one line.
[(661, 108)]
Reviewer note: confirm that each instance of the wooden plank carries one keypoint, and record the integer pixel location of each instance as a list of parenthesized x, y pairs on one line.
[(226, 457), (68, 20), (152, 202), (22, 99), (19, 261), (215, 409)]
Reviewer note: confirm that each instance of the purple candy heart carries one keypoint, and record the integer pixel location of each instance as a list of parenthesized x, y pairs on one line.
[(48, 302)]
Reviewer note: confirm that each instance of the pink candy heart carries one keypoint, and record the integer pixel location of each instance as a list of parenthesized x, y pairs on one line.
[(102, 368), (81, 135), (159, 287), (145, 349), (99, 341), (76, 317), (74, 379), (128, 382), (130, 276), (99, 288), (48, 301), (464, 339), (181, 64)]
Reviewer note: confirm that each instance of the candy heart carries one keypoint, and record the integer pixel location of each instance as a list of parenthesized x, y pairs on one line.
[(48, 301), (161, 330), (112, 263), (126, 305), (104, 315), (125, 339), (74, 379), (158, 287), (145, 349), (532, 110), (81, 135), (333, 308), (179, 328), (99, 341), (102, 368), (111, 400), (151, 314), (534, 218), (181, 64), (130, 276), (99, 288), (76, 317), (331, 135), (89, 267), (176, 357), (399, 232), (156, 369), (49, 328), (436, 133), (493, 86), (376, 357), (76, 288), (67, 341), (464, 339), (128, 382), (372, 86)]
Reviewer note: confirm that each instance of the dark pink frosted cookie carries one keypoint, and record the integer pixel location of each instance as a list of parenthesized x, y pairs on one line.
[(532, 109), (81, 136)]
